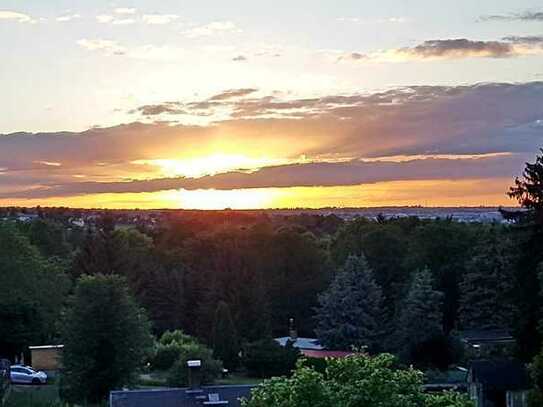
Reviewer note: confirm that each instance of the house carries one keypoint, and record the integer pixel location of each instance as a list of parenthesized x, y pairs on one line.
[(498, 383), (487, 343), (46, 357), (309, 347)]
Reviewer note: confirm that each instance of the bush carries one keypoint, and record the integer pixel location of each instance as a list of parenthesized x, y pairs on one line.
[(266, 358), (169, 348), (210, 370)]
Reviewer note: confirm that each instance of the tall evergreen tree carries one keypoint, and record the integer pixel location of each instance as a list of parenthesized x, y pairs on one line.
[(225, 337), (350, 310), (420, 319), (486, 290)]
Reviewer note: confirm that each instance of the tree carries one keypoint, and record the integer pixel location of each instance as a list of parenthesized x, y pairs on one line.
[(487, 287), (528, 190), (267, 358), (106, 337), (28, 311), (420, 318), (225, 337), (357, 380), (210, 370), (349, 312)]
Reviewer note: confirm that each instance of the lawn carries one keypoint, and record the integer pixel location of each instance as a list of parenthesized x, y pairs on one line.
[(34, 396), (158, 379)]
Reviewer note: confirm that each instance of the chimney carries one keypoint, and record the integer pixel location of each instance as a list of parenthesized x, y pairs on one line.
[(292, 333)]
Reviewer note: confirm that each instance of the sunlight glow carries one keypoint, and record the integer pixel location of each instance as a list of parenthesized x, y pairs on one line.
[(208, 165)]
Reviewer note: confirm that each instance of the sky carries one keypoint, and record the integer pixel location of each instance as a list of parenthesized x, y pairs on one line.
[(244, 104)]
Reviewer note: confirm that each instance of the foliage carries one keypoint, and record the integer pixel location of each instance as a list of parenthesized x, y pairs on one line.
[(210, 370), (106, 337), (357, 380), (487, 287), (528, 190), (225, 338), (28, 311), (419, 323), (169, 348), (350, 310), (266, 358)]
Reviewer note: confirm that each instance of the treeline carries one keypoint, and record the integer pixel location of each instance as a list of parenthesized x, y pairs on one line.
[(260, 273)]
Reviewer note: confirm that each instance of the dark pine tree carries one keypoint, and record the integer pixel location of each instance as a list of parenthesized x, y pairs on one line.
[(350, 311)]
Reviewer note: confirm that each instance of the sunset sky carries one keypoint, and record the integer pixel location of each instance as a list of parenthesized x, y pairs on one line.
[(249, 104)]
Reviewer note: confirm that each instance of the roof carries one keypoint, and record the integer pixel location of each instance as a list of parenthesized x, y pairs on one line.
[(301, 343), (500, 374), (46, 347), (325, 353), (480, 336)]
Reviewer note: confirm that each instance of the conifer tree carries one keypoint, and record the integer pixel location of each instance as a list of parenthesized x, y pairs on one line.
[(225, 337), (486, 290), (350, 311), (421, 317)]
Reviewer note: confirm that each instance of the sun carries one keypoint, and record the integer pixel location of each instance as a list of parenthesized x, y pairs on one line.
[(208, 165)]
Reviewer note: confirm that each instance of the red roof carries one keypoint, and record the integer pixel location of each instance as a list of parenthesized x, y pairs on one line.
[(325, 353)]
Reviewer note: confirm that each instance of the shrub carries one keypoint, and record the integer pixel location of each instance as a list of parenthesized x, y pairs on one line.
[(210, 370), (168, 349), (266, 358)]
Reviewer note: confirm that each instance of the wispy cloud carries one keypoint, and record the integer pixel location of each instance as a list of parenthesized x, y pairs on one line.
[(360, 20), (124, 10), (159, 19), (233, 93), (109, 47), (109, 19), (240, 58), (524, 16), (213, 28), (457, 48), (68, 17), (16, 16)]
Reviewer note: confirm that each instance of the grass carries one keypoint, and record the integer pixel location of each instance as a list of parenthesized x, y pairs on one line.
[(34, 396), (236, 378), (158, 379)]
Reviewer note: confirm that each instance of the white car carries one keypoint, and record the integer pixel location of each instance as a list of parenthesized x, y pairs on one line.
[(20, 374)]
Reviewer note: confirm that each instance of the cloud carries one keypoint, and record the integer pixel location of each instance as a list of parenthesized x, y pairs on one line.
[(124, 10), (104, 18), (525, 16), (159, 19), (239, 58), (109, 47), (154, 110), (212, 29), (16, 16), (67, 17), (312, 174), (457, 48), (358, 20), (109, 19), (412, 133), (233, 93)]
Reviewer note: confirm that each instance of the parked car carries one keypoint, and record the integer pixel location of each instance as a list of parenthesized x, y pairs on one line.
[(20, 374)]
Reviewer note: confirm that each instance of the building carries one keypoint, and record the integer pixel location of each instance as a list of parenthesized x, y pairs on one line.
[(46, 357), (487, 343), (498, 383)]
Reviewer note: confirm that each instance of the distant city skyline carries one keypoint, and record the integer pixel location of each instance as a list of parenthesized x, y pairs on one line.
[(248, 105)]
